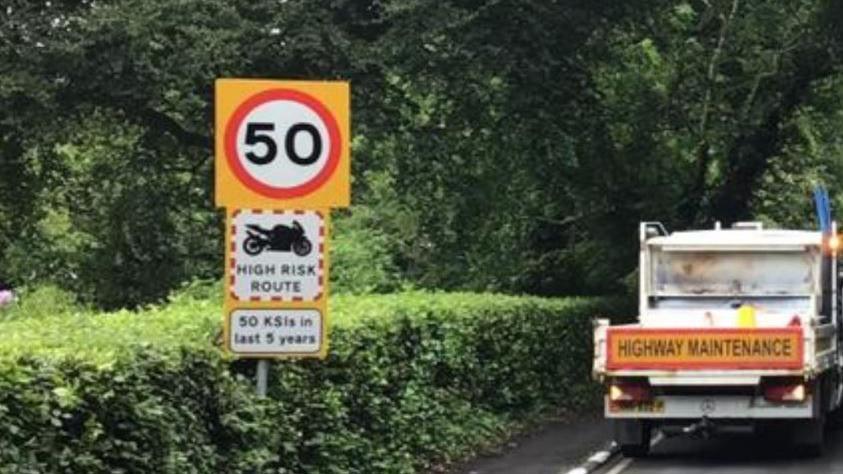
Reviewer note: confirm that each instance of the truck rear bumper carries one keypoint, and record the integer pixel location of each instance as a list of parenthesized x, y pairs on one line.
[(715, 407)]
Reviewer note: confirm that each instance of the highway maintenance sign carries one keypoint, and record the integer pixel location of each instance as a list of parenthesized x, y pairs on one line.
[(277, 255), (282, 144), (276, 282), (715, 348)]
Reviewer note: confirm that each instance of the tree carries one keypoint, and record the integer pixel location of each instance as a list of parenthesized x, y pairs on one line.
[(510, 145)]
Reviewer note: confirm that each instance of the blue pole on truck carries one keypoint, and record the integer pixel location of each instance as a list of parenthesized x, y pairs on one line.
[(823, 207)]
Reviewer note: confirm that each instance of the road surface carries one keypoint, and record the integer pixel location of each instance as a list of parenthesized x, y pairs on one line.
[(731, 454), (559, 447)]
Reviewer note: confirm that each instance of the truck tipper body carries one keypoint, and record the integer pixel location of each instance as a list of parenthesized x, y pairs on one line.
[(736, 327)]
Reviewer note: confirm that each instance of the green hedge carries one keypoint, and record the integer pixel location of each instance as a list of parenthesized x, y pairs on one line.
[(413, 379)]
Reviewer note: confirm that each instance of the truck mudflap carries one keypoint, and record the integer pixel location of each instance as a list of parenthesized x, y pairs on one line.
[(709, 406), (699, 349)]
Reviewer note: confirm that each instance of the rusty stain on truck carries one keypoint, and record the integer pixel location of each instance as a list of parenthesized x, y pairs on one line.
[(734, 273)]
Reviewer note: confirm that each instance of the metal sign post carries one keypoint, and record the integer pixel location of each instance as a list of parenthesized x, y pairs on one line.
[(262, 376)]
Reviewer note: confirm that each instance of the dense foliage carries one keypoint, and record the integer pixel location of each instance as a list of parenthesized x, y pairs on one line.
[(510, 145), (412, 379)]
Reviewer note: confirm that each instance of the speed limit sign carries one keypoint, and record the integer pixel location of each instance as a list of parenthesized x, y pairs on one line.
[(282, 143)]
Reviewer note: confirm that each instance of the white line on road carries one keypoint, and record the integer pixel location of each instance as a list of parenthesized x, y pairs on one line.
[(600, 457), (621, 466), (595, 461)]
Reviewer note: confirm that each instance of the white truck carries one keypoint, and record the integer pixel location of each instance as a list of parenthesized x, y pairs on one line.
[(736, 327)]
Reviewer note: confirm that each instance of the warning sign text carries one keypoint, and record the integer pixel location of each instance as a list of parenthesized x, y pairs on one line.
[(761, 348)]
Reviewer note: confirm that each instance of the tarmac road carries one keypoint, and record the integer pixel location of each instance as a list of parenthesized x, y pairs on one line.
[(560, 446), (732, 453)]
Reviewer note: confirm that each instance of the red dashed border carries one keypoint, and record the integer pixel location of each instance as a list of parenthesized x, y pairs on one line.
[(233, 259)]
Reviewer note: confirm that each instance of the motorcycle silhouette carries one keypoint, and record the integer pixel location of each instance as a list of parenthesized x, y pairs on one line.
[(280, 238)]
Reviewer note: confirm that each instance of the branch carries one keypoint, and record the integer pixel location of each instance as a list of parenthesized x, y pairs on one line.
[(163, 122), (712, 65), (790, 46), (748, 157), (756, 84), (560, 222), (568, 220), (691, 207)]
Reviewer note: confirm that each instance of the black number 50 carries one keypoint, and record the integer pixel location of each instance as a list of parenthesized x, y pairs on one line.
[(258, 133)]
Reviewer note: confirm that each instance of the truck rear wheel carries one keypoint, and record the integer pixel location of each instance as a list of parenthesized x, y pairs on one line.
[(633, 437), (809, 436)]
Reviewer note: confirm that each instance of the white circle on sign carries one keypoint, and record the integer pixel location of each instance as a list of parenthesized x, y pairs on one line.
[(283, 144)]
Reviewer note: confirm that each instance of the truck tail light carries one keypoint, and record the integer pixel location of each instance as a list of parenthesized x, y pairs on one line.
[(629, 392), (834, 242), (785, 391)]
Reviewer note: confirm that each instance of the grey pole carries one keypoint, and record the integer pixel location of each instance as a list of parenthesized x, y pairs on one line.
[(263, 376)]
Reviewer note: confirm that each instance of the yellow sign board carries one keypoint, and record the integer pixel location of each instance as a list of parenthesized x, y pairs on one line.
[(282, 144), (699, 349), (276, 280)]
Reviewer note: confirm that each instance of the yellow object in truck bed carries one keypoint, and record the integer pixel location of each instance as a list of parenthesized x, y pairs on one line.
[(629, 348), (746, 316)]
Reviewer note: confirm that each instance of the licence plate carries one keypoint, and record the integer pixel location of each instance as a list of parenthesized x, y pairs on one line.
[(650, 406)]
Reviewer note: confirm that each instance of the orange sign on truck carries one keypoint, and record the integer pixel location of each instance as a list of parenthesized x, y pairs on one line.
[(755, 348)]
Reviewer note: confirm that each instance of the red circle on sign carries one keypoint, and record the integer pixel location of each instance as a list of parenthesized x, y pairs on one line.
[(272, 191)]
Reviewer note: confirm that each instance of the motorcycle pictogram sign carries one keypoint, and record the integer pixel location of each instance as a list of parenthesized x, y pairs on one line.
[(277, 255), (280, 238)]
